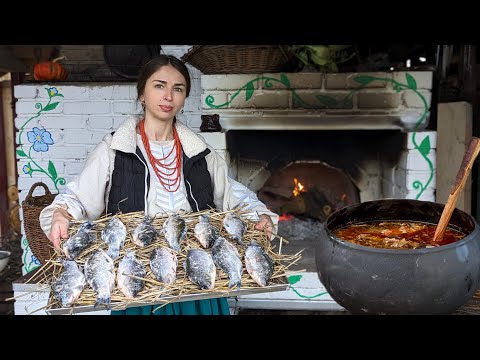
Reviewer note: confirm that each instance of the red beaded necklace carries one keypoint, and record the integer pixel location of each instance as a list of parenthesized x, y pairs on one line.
[(171, 169)]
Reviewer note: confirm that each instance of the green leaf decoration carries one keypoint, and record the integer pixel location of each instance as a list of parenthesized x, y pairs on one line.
[(30, 171), (57, 95), (21, 153), (284, 80), (397, 87), (249, 91), (412, 84), (424, 147), (294, 279), (328, 101), (52, 170), (50, 106), (364, 79)]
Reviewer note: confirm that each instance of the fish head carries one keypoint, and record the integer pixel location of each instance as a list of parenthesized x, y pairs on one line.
[(203, 219)]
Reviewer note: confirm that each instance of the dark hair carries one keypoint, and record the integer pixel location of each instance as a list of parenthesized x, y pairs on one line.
[(154, 65)]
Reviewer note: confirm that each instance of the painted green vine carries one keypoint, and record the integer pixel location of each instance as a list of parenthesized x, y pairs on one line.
[(293, 279), (33, 262), (424, 148), (40, 139), (331, 103)]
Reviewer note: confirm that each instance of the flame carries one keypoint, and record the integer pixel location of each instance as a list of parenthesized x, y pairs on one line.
[(298, 187), (285, 217)]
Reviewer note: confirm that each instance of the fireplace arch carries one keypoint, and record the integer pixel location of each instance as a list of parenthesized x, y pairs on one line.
[(308, 188)]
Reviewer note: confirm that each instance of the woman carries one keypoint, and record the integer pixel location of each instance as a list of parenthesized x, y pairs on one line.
[(154, 164)]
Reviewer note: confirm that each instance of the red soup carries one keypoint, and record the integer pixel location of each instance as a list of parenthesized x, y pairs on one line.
[(395, 235)]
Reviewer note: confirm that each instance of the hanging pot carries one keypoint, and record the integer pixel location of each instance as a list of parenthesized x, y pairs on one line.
[(126, 60)]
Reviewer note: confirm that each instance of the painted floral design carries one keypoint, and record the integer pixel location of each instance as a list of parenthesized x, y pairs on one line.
[(30, 262), (40, 140)]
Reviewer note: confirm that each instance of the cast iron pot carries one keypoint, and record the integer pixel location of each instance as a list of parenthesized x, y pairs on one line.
[(367, 280)]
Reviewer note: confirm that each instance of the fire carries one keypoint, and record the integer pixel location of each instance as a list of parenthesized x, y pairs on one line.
[(285, 217), (298, 187)]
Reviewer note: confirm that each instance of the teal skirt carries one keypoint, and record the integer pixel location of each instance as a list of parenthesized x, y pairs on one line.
[(196, 307)]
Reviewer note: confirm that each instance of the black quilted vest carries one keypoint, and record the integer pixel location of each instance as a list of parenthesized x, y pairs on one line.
[(128, 182)]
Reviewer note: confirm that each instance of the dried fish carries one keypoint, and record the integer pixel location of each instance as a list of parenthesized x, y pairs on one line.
[(205, 232), (130, 275), (144, 233), (227, 258), (100, 275), (163, 263), (259, 265), (79, 241), (200, 268), (69, 285), (114, 235), (235, 227), (175, 230)]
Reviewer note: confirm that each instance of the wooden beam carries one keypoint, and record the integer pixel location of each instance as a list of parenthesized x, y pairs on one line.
[(3, 177)]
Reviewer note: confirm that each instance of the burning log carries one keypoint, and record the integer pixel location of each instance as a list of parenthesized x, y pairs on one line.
[(312, 203)]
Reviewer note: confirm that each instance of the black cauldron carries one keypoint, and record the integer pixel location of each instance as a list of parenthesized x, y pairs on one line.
[(367, 280)]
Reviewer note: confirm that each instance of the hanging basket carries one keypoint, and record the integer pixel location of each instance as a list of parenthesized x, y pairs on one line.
[(237, 59), (32, 206)]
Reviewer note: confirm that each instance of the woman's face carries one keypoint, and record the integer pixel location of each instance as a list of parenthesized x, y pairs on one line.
[(165, 93)]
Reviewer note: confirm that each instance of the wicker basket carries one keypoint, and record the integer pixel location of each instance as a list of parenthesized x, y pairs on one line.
[(237, 59), (32, 206)]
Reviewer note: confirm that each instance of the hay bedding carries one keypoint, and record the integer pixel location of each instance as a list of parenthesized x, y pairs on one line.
[(156, 292)]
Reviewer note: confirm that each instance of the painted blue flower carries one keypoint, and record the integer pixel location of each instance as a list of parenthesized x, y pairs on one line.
[(40, 138), (27, 169), (52, 91), (34, 260)]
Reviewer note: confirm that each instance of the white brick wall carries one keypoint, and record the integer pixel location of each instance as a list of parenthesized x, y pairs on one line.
[(385, 100)]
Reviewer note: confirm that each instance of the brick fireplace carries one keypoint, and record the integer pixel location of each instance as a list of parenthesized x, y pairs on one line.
[(368, 127), (347, 138)]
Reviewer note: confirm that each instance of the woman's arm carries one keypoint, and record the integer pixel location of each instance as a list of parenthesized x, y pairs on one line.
[(229, 193), (84, 197)]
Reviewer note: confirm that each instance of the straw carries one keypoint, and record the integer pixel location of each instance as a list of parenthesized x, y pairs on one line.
[(156, 292)]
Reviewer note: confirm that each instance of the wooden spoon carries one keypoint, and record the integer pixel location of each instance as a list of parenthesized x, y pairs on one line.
[(462, 175)]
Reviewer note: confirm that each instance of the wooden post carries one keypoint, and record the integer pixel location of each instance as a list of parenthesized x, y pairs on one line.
[(3, 176)]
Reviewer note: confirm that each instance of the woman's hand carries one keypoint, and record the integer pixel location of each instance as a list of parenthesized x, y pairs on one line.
[(59, 229), (265, 223)]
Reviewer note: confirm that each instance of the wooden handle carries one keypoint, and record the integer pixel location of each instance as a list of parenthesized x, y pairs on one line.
[(462, 175), (34, 186)]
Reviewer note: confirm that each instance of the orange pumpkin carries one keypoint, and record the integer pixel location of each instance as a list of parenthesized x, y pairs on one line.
[(50, 71)]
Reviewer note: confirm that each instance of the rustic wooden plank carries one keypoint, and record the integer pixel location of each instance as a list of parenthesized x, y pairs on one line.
[(83, 54), (3, 177), (454, 131)]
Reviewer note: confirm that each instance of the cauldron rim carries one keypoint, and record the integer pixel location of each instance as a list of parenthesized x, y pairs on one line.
[(339, 242)]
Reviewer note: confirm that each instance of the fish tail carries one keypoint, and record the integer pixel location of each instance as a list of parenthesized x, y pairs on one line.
[(113, 253), (103, 300), (234, 283), (175, 246)]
